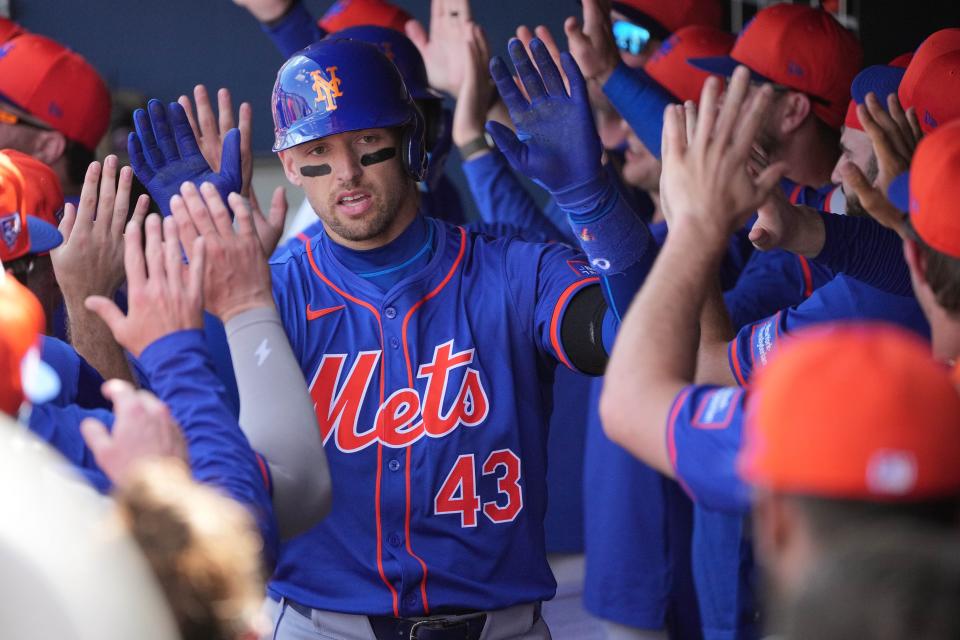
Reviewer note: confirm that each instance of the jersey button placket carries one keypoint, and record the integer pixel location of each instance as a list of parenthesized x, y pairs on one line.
[(390, 313)]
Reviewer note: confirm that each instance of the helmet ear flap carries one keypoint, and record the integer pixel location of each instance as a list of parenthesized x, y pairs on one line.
[(414, 151)]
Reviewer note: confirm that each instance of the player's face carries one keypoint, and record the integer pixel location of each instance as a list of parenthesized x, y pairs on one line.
[(356, 183), (855, 148), (641, 169)]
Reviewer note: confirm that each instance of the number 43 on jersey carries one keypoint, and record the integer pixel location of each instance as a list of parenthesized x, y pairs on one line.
[(459, 491)]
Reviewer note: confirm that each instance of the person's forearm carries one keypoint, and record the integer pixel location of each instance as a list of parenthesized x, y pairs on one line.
[(91, 338), (641, 102), (716, 332), (181, 373), (863, 249), (294, 30), (615, 239), (277, 415), (656, 348)]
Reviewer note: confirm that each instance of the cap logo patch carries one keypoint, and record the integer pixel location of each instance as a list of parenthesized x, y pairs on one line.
[(328, 89), (5, 49), (55, 110), (930, 120), (891, 472), (795, 69), (10, 227)]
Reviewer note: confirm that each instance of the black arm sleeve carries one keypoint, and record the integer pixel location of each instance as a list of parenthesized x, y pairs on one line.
[(581, 331)]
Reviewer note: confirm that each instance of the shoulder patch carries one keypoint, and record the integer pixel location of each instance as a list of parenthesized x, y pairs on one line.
[(716, 408)]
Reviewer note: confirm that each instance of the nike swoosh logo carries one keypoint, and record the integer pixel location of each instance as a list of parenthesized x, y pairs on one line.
[(313, 315)]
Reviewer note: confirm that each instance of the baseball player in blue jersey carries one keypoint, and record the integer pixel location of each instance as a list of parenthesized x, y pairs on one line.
[(428, 350)]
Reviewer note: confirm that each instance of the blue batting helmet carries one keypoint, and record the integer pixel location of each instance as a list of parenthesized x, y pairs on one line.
[(338, 85), (401, 51)]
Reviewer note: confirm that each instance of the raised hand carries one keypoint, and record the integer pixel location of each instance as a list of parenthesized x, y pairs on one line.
[(477, 89), (450, 25), (705, 177), (164, 154), (210, 130), (526, 36), (163, 296), (556, 144), (143, 429), (90, 260), (894, 135), (236, 275), (592, 44)]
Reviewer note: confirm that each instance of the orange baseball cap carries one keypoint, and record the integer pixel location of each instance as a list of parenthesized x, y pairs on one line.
[(9, 29), (798, 47), (663, 18), (668, 65), (30, 196), (931, 85), (930, 190), (896, 437), (56, 86), (353, 13), (879, 79), (22, 373)]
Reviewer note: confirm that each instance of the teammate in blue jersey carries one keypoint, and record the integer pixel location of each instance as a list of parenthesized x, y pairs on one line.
[(414, 367)]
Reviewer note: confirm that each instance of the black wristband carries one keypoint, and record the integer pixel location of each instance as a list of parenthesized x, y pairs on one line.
[(480, 143)]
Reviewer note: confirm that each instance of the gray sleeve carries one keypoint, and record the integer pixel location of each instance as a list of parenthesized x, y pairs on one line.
[(277, 416)]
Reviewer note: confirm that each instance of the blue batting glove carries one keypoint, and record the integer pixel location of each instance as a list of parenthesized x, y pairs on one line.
[(556, 144), (164, 154)]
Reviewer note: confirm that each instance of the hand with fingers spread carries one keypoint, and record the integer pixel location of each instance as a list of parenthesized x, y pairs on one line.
[(90, 260), (705, 175), (210, 130), (556, 144), (164, 154), (163, 295), (143, 429), (236, 276), (442, 49), (592, 44), (894, 134)]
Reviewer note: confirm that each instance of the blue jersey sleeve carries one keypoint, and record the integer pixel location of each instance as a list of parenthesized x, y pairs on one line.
[(867, 251), (502, 199), (842, 299), (59, 426), (704, 430), (294, 31), (770, 281), (79, 382), (181, 371), (641, 102), (541, 301)]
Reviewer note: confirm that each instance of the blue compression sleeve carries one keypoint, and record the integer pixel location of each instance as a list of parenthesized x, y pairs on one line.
[(181, 373), (502, 199), (865, 250), (294, 31), (641, 102), (617, 242)]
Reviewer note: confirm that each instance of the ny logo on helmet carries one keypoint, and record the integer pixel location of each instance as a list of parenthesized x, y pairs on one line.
[(328, 90)]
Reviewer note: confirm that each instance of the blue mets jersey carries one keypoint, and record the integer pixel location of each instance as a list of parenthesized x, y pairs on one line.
[(432, 400)]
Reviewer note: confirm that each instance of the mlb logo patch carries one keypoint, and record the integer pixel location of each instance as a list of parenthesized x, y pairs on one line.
[(716, 408), (10, 227), (582, 268)]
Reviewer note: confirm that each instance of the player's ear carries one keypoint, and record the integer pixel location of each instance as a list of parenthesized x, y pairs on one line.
[(916, 259), (290, 168), (795, 108), (49, 146)]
